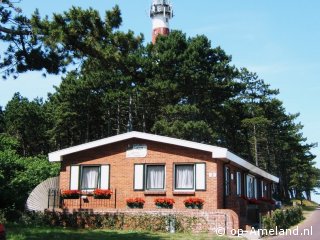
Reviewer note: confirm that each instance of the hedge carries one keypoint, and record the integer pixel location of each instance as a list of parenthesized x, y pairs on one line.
[(116, 221), (283, 219)]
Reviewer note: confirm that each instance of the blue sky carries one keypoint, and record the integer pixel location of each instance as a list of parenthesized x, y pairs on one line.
[(277, 39)]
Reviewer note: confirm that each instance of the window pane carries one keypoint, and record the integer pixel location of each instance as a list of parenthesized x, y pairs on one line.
[(238, 183), (184, 176), (90, 176), (155, 177)]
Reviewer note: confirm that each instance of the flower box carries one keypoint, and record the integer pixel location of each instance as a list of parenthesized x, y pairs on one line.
[(194, 203), (135, 202), (70, 194), (164, 202), (102, 194), (267, 200), (253, 201)]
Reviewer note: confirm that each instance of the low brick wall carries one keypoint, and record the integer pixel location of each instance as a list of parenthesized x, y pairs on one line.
[(220, 221)]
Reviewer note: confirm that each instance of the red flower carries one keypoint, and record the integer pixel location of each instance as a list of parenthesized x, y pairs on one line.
[(164, 202), (102, 192), (253, 201), (70, 193), (244, 197), (193, 202), (135, 201)]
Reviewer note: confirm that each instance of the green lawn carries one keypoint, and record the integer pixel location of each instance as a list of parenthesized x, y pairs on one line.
[(15, 232)]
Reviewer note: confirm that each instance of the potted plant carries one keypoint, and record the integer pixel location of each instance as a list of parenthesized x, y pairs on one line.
[(164, 202), (70, 194), (253, 201), (194, 203), (135, 202), (102, 194)]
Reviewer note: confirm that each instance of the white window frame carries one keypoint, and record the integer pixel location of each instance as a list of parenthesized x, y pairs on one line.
[(262, 188), (175, 178), (146, 177), (76, 173)]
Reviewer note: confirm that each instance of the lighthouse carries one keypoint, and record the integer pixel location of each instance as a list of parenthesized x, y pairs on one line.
[(161, 14)]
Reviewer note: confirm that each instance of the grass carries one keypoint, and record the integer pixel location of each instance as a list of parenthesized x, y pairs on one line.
[(307, 206), (16, 232)]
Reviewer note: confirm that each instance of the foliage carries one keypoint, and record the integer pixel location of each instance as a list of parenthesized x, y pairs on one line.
[(180, 87), (283, 219), (194, 203), (20, 175), (113, 221), (164, 202), (20, 232)]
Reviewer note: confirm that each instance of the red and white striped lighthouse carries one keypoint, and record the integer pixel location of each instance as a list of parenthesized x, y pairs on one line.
[(160, 13)]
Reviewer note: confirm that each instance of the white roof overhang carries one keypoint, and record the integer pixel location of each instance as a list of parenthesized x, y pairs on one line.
[(217, 152)]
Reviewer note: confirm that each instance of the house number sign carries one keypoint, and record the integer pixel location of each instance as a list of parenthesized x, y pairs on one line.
[(137, 151)]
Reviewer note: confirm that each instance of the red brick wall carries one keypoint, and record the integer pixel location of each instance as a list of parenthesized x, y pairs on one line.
[(122, 170)]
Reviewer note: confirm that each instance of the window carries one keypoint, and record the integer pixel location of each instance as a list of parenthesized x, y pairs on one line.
[(262, 188), (155, 176), (251, 186), (239, 185), (89, 177), (184, 177), (227, 181)]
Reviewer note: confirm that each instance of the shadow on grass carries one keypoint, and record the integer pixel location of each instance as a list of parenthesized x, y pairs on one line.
[(309, 208), (32, 233)]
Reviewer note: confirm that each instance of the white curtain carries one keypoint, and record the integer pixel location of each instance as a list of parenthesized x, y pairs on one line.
[(90, 177), (155, 177), (250, 187), (184, 176)]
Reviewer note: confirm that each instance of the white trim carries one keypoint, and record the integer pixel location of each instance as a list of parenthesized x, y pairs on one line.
[(74, 177), (217, 152), (104, 176), (138, 177), (200, 175)]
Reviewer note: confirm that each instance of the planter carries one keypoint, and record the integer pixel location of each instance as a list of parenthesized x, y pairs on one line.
[(193, 203), (135, 206), (71, 197), (195, 207), (102, 196), (164, 207), (70, 194), (164, 203), (135, 202)]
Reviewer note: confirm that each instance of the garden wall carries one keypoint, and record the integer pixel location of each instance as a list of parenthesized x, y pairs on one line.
[(219, 221)]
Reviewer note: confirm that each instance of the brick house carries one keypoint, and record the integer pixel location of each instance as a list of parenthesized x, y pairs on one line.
[(149, 166)]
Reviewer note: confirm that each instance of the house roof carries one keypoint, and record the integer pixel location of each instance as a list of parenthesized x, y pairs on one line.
[(217, 152)]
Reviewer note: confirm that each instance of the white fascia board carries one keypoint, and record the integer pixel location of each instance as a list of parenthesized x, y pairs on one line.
[(58, 155), (217, 152), (253, 169)]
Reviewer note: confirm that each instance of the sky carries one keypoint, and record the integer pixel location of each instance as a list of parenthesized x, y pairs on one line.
[(279, 40)]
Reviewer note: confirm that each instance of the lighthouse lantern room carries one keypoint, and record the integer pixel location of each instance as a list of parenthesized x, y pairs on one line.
[(160, 13)]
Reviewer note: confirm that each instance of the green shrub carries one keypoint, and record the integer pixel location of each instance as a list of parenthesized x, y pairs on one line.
[(283, 219)]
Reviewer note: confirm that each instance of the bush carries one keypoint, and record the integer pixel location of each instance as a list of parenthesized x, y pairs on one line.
[(283, 219), (117, 221)]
